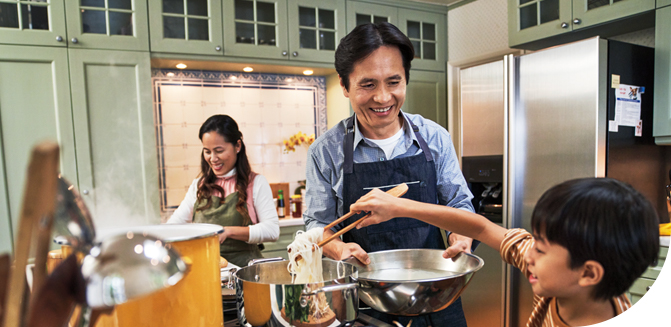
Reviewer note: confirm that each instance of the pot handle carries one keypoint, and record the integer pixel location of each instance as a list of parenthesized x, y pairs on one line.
[(328, 288), (262, 260)]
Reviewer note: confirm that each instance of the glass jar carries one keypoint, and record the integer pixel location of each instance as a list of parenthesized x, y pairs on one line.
[(295, 204)]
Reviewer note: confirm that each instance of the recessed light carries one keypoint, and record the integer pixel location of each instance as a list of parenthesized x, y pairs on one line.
[(181, 66), (234, 77), (171, 74), (248, 69), (308, 72), (290, 79)]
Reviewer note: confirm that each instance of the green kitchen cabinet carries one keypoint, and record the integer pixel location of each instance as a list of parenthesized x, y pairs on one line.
[(426, 32), (646, 281), (113, 24), (32, 23), (661, 129), (186, 26), (279, 248), (304, 30), (531, 20), (426, 95), (663, 3), (34, 106), (114, 133), (363, 12)]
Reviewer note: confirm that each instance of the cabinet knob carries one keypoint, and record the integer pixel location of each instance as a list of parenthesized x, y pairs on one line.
[(564, 25), (577, 21), (647, 288), (74, 40), (85, 192), (218, 48), (295, 54), (59, 38), (284, 53)]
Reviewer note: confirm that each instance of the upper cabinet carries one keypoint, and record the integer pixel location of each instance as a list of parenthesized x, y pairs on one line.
[(531, 20), (423, 29), (663, 3), (92, 24), (186, 26), (361, 13), (304, 30), (661, 129), (107, 24), (32, 23)]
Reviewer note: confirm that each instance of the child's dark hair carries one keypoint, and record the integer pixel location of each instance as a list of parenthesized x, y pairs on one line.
[(604, 220), (364, 40), (227, 127)]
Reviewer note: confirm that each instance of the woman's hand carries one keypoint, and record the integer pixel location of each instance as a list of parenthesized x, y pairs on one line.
[(381, 205), (223, 236)]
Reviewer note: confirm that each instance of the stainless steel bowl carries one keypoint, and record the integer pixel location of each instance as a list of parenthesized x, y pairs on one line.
[(265, 295), (414, 281)]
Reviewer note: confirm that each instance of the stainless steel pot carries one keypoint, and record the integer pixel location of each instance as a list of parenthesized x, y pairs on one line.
[(414, 281), (266, 297)]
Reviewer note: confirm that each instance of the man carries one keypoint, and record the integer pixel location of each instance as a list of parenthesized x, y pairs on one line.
[(380, 147)]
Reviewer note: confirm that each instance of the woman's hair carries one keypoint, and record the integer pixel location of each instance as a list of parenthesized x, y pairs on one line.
[(366, 38), (228, 128), (604, 220)]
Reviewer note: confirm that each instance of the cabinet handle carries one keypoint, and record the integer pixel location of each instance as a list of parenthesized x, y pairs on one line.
[(284, 53), (577, 21), (295, 54), (218, 48), (74, 40), (85, 192), (59, 38), (564, 25), (647, 288)]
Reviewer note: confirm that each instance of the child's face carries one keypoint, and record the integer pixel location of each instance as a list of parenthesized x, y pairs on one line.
[(549, 269)]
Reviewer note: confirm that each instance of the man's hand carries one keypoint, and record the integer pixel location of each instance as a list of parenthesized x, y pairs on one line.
[(339, 250), (458, 244)]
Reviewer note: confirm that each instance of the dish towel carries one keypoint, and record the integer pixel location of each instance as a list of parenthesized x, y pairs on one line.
[(665, 229)]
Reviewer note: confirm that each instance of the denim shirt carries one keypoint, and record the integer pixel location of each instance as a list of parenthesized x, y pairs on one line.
[(323, 201)]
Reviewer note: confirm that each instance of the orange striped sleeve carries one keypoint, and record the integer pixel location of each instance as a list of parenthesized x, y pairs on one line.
[(514, 246)]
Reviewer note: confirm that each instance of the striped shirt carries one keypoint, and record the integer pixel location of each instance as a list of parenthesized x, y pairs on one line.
[(323, 201), (515, 245)]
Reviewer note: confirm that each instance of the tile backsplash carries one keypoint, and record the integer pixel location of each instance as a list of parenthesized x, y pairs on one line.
[(267, 107)]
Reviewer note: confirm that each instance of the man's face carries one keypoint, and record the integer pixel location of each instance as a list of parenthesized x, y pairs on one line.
[(377, 92)]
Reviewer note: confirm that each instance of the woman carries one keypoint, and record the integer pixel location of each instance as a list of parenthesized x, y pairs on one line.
[(229, 194)]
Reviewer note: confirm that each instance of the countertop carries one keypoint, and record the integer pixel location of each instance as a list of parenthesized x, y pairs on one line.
[(663, 240), (284, 222)]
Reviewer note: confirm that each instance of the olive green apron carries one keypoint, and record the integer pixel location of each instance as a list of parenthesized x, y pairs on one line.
[(225, 214)]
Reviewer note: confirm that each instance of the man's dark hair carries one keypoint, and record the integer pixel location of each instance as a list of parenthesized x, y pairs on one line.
[(604, 220), (366, 38)]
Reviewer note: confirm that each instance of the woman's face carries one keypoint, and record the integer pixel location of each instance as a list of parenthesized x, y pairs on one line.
[(220, 154)]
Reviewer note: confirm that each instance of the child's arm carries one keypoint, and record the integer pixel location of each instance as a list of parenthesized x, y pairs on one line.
[(384, 207)]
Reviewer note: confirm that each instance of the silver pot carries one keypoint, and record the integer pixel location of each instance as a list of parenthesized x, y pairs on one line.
[(265, 295), (414, 281)]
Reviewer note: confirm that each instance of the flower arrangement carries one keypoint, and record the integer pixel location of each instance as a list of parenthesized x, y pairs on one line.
[(298, 139)]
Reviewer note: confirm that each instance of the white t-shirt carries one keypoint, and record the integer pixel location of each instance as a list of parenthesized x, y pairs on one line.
[(266, 230), (387, 145)]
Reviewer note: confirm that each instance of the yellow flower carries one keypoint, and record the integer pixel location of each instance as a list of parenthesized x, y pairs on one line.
[(299, 138)]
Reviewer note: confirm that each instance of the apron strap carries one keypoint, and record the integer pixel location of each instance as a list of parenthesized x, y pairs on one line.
[(348, 145)]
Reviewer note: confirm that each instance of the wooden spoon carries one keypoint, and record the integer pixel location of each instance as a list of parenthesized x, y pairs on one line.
[(397, 191)]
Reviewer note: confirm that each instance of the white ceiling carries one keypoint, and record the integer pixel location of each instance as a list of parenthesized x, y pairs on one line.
[(438, 2)]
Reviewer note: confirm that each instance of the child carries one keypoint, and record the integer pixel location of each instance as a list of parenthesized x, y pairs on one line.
[(592, 238)]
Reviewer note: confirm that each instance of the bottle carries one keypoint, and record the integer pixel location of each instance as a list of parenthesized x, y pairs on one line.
[(280, 204), (295, 202)]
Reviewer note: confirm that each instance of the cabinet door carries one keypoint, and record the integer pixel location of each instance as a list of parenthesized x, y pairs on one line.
[(186, 26), (256, 29), (34, 106), (591, 12), (112, 24), (32, 22), (315, 29), (661, 129), (663, 3), (360, 13), (114, 128), (530, 20), (426, 95), (427, 31)]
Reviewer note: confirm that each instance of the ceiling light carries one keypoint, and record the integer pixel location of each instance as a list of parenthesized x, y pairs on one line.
[(171, 74), (308, 72), (181, 66), (290, 79), (248, 69), (234, 77)]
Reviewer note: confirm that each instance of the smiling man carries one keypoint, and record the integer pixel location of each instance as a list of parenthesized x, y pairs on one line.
[(380, 147)]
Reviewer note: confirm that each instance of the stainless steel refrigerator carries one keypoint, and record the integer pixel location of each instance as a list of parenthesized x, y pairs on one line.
[(560, 123)]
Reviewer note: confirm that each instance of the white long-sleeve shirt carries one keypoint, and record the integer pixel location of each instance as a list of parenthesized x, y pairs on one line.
[(266, 230)]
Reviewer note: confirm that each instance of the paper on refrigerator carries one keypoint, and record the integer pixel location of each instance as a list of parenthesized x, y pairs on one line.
[(628, 105)]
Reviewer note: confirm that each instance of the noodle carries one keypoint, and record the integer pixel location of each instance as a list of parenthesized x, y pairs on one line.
[(309, 269)]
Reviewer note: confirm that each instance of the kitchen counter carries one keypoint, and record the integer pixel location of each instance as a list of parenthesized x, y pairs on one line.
[(284, 222), (663, 240)]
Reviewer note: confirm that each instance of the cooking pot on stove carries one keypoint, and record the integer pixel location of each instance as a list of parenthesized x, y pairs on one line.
[(266, 296)]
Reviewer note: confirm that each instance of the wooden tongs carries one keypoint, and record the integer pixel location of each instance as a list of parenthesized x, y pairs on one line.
[(397, 191)]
